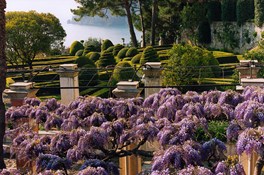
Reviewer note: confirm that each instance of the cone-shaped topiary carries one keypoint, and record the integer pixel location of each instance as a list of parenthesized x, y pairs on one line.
[(79, 53), (122, 53), (106, 44), (111, 48), (75, 46), (88, 49), (136, 59), (83, 60), (94, 56), (106, 59), (123, 72), (117, 48), (149, 55), (132, 51)]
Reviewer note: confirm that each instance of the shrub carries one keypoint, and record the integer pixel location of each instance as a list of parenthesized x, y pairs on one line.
[(259, 12), (149, 55), (106, 59), (94, 56), (127, 59), (229, 10), (79, 53), (256, 55), (214, 11), (132, 51), (136, 59), (75, 46), (204, 33), (117, 48), (122, 53), (245, 11), (106, 44), (94, 42), (88, 76), (227, 59), (123, 72), (89, 48), (111, 48), (83, 60)]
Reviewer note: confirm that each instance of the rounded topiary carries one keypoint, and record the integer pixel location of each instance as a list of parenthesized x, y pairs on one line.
[(88, 49), (117, 48), (123, 72), (127, 59), (149, 55), (122, 53), (94, 56), (106, 44), (136, 59), (79, 53), (83, 60), (132, 51), (75, 46), (106, 59), (88, 75), (111, 48)]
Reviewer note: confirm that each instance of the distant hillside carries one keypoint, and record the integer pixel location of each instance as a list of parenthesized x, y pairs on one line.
[(113, 21)]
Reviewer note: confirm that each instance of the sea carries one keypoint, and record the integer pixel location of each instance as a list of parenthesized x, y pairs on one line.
[(62, 10)]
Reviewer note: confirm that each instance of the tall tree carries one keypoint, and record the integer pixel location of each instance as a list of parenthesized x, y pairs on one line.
[(2, 79), (142, 23), (153, 21), (30, 33), (100, 8)]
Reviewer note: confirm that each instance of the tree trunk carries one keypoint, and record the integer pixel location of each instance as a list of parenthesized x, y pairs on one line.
[(2, 79), (153, 21), (142, 24), (130, 24)]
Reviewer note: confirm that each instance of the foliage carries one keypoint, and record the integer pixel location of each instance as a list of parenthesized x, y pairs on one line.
[(123, 72), (213, 11), (187, 62), (94, 56), (244, 11), (259, 12), (79, 52), (229, 10), (110, 49), (106, 44), (256, 55), (88, 75), (149, 55), (83, 60), (75, 46), (122, 53), (106, 59), (204, 33), (132, 51), (88, 49), (94, 42), (117, 48), (136, 58), (30, 33)]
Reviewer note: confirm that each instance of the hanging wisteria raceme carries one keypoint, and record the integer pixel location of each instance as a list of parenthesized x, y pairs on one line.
[(253, 93), (197, 170), (230, 166), (230, 97)]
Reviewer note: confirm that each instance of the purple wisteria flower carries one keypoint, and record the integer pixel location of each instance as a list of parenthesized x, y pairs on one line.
[(197, 170)]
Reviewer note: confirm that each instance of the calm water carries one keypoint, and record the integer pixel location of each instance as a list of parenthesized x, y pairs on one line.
[(74, 32)]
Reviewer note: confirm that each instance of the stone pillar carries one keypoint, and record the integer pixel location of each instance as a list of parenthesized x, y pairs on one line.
[(152, 77), (18, 91), (129, 165), (69, 83), (248, 69)]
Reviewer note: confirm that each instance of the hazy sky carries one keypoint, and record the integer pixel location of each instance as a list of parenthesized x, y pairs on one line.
[(60, 8)]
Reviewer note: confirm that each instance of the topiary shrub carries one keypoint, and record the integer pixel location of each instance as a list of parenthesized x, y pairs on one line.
[(213, 11), (127, 59), (123, 72), (110, 49), (122, 53), (149, 55), (228, 10), (83, 60), (204, 33), (94, 56), (117, 48), (244, 11), (106, 44), (88, 75), (106, 59), (132, 51), (259, 12), (79, 53), (136, 59), (75, 46), (87, 49)]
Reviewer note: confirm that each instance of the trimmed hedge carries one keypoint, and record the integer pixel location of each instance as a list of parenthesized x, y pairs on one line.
[(75, 46), (122, 53), (136, 59), (117, 48), (88, 74), (94, 56), (79, 53), (227, 60), (111, 48), (149, 55), (83, 60), (106, 44), (132, 51), (88, 49), (106, 59)]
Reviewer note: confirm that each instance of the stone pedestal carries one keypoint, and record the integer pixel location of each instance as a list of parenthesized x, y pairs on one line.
[(152, 74), (129, 165), (248, 69), (252, 82), (69, 83), (18, 91)]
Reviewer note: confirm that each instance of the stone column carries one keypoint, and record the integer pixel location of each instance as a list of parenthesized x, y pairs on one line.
[(129, 165), (18, 91), (69, 83), (248, 69), (152, 77)]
